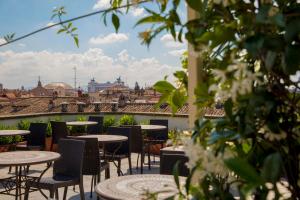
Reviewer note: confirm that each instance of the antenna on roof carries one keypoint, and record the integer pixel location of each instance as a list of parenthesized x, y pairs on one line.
[(75, 79)]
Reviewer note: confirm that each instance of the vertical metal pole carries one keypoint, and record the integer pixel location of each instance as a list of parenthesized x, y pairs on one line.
[(194, 72)]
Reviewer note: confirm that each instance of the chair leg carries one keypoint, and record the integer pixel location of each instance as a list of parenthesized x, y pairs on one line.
[(91, 192), (52, 194), (107, 173), (65, 193), (26, 192), (99, 177), (137, 161), (56, 194), (119, 167), (142, 161), (81, 190), (149, 160), (129, 162)]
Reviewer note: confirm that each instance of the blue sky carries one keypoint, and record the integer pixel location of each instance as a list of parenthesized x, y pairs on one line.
[(102, 53)]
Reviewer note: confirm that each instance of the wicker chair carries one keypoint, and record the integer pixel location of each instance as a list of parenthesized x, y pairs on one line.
[(95, 129), (92, 164), (137, 143), (125, 149), (36, 139), (67, 171), (156, 137), (168, 161), (59, 130)]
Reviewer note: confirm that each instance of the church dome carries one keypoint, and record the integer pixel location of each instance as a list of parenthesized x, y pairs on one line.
[(52, 86)]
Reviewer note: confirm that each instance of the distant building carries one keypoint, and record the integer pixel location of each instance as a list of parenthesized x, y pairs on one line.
[(1, 87), (61, 89), (94, 86), (40, 90)]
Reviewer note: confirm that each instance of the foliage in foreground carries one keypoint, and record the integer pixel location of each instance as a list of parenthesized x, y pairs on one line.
[(249, 51)]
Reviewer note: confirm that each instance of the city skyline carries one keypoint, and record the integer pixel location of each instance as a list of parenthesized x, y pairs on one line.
[(102, 54)]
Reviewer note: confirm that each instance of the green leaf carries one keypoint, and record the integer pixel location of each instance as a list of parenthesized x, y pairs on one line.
[(270, 59), (163, 86), (228, 107), (243, 169), (178, 100), (150, 19), (61, 30), (195, 4), (292, 30), (73, 29), (116, 22), (272, 168), (76, 41), (292, 59)]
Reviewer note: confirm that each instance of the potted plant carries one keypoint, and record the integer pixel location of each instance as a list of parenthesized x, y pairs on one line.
[(5, 143)]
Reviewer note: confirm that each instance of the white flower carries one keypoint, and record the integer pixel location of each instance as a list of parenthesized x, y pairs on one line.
[(242, 82), (268, 134), (205, 160)]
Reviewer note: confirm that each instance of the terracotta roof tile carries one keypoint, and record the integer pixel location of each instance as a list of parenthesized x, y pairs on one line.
[(40, 105)]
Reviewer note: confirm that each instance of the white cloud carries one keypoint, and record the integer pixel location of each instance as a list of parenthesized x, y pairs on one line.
[(137, 12), (177, 53), (104, 4), (169, 42), (108, 39), (101, 4), (22, 45), (123, 56), (23, 68), (2, 41)]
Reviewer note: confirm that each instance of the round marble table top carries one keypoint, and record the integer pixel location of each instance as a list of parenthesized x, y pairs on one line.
[(13, 132), (81, 123), (153, 127), (135, 186), (19, 158), (106, 138)]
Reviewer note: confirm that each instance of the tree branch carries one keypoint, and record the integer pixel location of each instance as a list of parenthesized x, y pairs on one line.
[(73, 19)]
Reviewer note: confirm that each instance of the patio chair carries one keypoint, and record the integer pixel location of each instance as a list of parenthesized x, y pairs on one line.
[(59, 130), (137, 143), (67, 171), (92, 164), (168, 161), (156, 137), (112, 150), (36, 139), (97, 128)]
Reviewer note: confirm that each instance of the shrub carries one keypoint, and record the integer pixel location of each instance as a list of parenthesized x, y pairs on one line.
[(23, 125), (127, 120), (9, 139), (108, 121)]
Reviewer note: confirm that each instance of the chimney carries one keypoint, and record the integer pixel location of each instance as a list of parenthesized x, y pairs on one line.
[(64, 106), (80, 106), (97, 106)]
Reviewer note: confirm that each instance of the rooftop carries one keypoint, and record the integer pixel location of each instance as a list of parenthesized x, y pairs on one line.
[(39, 105)]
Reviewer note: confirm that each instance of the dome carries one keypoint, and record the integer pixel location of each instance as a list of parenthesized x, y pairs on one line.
[(52, 86)]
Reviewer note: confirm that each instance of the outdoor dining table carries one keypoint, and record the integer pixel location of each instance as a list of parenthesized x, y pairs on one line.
[(153, 127), (13, 132), (81, 123), (134, 187), (19, 159), (173, 150)]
